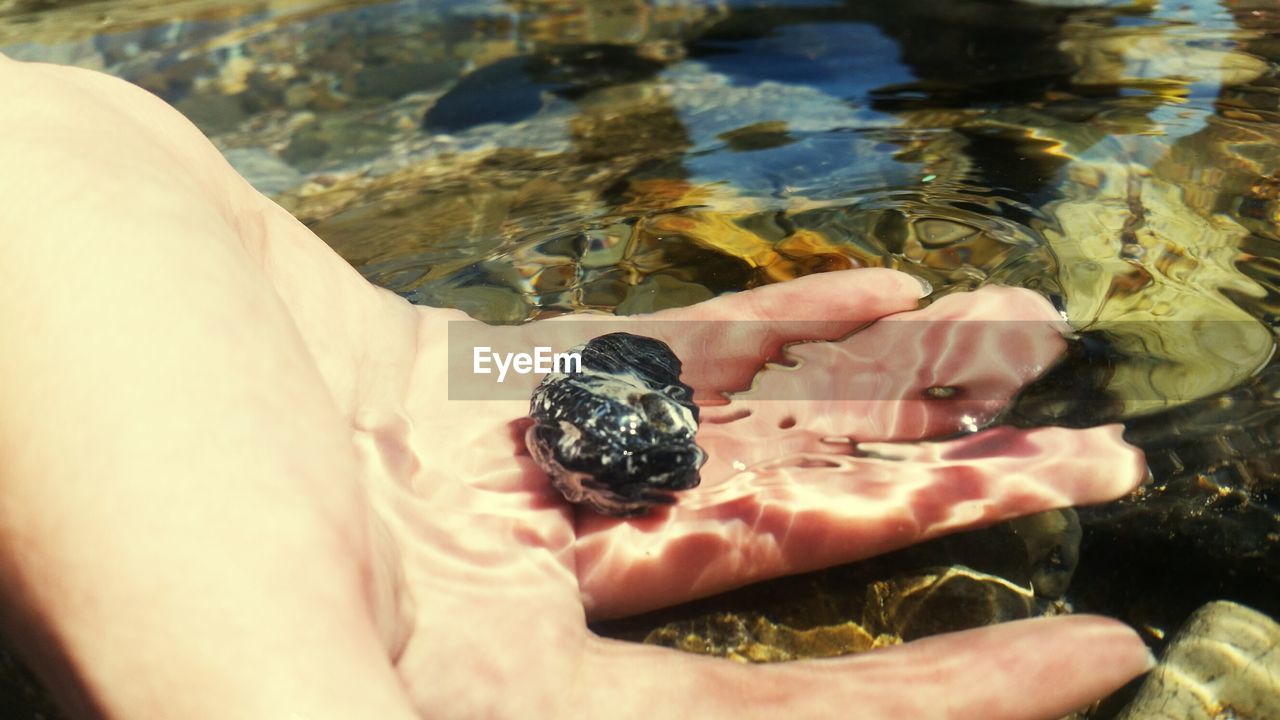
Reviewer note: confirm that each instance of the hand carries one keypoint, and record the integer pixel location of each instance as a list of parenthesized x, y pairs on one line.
[(233, 485)]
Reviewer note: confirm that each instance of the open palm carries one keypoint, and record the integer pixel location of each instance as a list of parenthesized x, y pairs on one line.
[(258, 496)]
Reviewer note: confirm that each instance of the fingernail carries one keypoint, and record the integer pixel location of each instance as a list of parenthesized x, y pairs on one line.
[(925, 288)]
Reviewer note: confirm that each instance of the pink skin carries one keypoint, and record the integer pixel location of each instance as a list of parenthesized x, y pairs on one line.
[(232, 485)]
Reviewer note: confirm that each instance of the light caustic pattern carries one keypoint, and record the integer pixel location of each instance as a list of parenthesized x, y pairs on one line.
[(844, 462)]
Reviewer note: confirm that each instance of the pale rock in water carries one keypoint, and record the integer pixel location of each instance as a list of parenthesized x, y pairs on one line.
[(1223, 663)]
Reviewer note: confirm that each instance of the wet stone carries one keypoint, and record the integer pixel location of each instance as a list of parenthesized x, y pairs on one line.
[(944, 600), (213, 113), (661, 292), (617, 436), (1207, 525), (1223, 663), (905, 606), (496, 305), (949, 584), (1052, 539), (569, 72), (751, 637)]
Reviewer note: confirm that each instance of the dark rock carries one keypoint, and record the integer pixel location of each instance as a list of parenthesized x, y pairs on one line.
[(1206, 528), (618, 435), (511, 89), (1052, 540)]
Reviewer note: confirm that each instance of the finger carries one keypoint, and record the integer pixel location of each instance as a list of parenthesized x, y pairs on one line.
[(1029, 670), (950, 367), (809, 512), (723, 342)]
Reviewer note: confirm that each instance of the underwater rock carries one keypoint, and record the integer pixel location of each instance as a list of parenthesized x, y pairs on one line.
[(1052, 539), (949, 584), (618, 435), (942, 600), (1208, 524), (794, 623), (1223, 663), (751, 637), (570, 72)]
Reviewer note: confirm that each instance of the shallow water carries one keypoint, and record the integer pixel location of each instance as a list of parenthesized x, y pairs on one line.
[(525, 159)]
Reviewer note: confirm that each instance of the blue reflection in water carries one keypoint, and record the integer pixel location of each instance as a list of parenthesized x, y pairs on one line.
[(824, 144)]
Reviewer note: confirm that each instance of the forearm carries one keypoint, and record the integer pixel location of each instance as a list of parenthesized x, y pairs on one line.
[(180, 533)]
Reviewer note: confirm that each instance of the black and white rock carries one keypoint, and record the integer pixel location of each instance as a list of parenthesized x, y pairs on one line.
[(618, 436)]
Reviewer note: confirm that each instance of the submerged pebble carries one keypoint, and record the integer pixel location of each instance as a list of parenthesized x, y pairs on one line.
[(1224, 664), (618, 435)]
